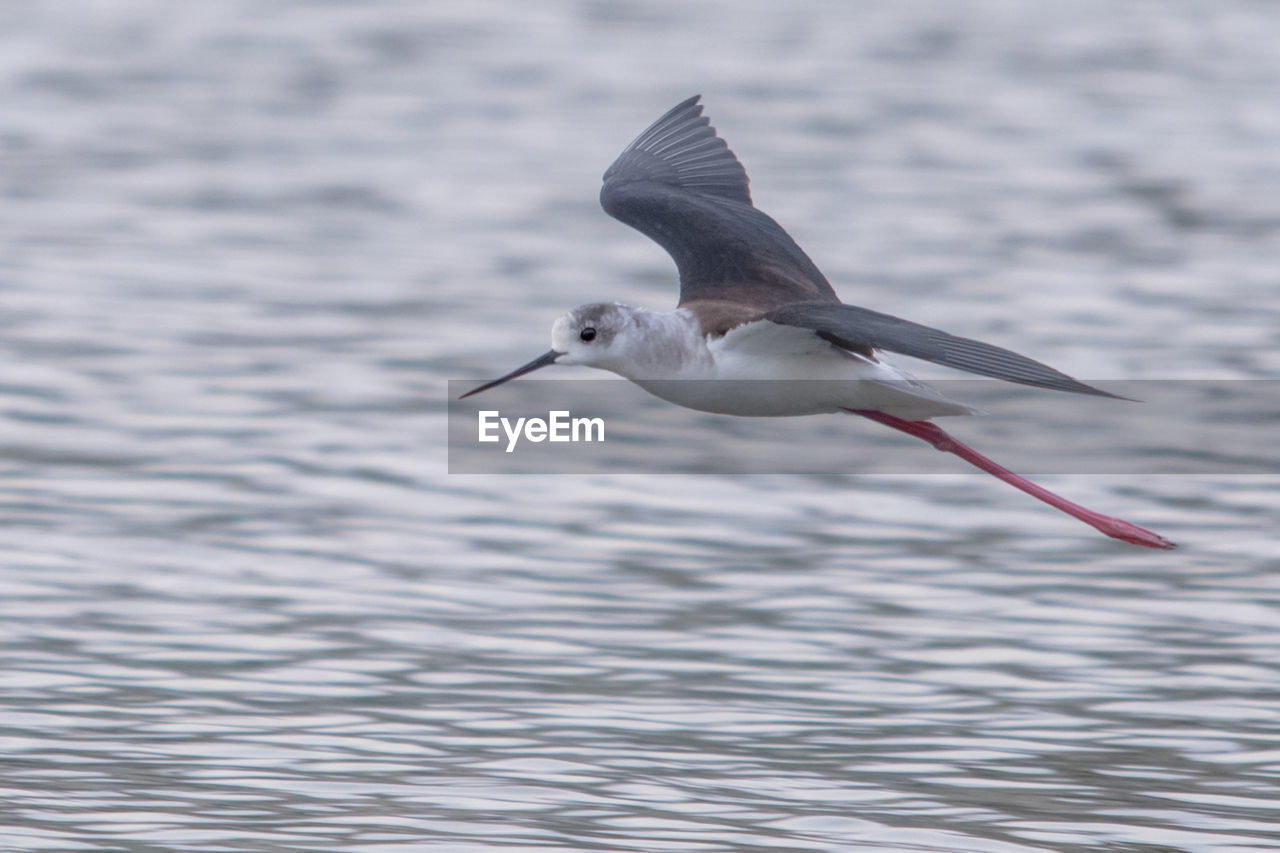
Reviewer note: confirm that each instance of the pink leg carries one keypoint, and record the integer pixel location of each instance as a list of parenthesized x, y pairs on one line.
[(1114, 527)]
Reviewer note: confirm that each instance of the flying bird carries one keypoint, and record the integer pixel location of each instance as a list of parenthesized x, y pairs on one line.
[(758, 330)]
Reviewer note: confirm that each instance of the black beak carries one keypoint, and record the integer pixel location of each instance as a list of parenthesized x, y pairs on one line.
[(548, 357)]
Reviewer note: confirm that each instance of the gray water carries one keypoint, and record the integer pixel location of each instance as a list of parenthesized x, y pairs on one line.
[(243, 248)]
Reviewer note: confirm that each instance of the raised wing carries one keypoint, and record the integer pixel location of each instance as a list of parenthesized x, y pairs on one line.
[(680, 185), (851, 327)]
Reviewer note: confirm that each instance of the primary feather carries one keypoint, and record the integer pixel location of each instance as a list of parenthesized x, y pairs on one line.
[(851, 327)]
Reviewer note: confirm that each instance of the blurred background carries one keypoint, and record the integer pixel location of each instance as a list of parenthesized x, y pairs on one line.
[(243, 248)]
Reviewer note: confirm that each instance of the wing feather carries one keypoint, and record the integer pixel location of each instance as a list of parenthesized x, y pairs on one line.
[(851, 327), (680, 185)]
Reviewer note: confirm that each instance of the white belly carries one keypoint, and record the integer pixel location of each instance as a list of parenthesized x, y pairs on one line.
[(767, 370), (907, 399)]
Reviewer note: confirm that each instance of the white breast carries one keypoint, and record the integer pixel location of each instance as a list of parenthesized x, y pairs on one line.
[(764, 369)]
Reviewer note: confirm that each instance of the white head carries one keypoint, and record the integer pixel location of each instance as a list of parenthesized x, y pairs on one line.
[(594, 335)]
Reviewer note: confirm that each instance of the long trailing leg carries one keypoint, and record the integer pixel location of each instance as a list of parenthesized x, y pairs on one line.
[(1116, 528)]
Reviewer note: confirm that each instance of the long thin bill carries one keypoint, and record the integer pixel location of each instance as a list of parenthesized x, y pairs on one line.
[(548, 357), (1116, 528)]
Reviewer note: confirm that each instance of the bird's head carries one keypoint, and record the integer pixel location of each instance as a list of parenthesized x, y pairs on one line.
[(593, 335)]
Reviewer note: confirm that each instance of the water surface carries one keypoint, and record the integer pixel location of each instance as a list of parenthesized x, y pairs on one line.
[(244, 247)]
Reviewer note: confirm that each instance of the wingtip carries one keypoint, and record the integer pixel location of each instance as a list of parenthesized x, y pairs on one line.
[(679, 151), (1098, 392)]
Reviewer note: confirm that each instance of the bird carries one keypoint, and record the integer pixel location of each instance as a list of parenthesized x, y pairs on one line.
[(758, 330)]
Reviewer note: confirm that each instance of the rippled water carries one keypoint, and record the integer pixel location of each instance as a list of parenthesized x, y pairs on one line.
[(243, 248)]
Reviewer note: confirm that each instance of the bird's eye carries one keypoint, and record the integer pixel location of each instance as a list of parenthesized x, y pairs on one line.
[(587, 334)]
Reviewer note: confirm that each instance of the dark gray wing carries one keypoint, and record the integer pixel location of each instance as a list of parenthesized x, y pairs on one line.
[(680, 185), (851, 327)]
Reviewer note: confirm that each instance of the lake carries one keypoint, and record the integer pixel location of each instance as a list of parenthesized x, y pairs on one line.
[(246, 247)]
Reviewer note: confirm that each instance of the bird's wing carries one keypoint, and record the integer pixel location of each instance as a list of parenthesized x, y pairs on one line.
[(851, 327), (680, 185)]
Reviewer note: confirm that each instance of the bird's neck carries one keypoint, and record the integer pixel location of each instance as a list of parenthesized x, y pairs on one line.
[(667, 346)]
